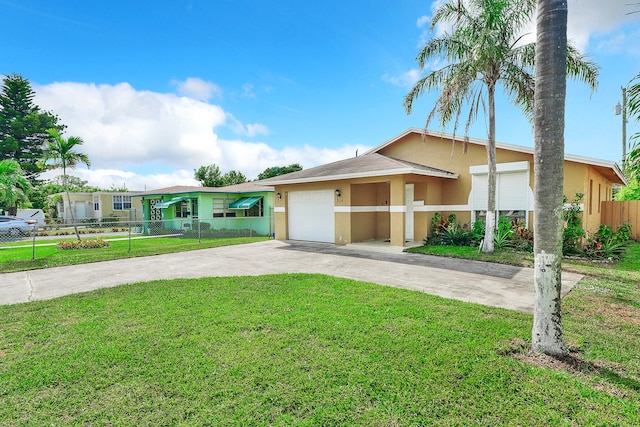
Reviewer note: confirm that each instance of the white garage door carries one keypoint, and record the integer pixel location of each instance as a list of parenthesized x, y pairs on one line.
[(311, 216)]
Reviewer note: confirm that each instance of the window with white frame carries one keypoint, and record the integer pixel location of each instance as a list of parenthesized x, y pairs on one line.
[(121, 202), (96, 202), (182, 209), (221, 209)]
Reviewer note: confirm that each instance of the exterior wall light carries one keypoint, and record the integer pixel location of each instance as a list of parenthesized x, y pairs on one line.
[(279, 196), (338, 192)]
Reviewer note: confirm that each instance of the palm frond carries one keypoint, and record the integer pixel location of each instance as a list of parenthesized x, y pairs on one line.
[(582, 69), (519, 85), (633, 97)]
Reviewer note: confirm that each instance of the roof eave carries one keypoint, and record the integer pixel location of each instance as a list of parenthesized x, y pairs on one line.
[(512, 147), (269, 190), (372, 174)]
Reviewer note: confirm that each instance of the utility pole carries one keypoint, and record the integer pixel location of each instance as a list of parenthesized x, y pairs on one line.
[(622, 110)]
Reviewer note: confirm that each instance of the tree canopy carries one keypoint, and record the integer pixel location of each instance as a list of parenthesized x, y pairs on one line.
[(14, 186), (210, 176), (279, 170), (23, 127)]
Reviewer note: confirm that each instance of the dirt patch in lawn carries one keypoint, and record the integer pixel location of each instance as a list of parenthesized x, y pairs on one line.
[(604, 375)]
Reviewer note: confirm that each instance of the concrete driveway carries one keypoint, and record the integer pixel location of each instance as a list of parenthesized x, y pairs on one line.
[(472, 281)]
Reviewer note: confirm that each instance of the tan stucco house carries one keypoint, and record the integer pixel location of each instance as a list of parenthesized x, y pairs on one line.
[(98, 205), (392, 191)]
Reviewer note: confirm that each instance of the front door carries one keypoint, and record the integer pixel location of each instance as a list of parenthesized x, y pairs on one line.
[(81, 210)]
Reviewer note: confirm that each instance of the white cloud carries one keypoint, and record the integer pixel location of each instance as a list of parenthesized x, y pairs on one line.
[(621, 42), (108, 178), (250, 130), (150, 140), (405, 80), (121, 126), (596, 17), (196, 88), (587, 18)]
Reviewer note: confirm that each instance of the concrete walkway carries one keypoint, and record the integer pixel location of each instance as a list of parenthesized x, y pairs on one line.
[(473, 281)]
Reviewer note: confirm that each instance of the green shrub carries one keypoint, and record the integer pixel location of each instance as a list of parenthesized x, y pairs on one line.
[(522, 237), (573, 232), (455, 235), (607, 244), (447, 232)]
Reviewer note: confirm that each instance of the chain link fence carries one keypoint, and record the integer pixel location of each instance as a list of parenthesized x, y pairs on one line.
[(23, 235)]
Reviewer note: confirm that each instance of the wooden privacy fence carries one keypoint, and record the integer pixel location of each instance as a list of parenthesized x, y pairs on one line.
[(616, 213)]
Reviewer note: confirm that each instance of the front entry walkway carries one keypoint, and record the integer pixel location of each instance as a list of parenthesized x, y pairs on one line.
[(479, 282)]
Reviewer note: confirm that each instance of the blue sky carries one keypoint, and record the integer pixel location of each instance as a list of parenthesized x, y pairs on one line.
[(157, 89)]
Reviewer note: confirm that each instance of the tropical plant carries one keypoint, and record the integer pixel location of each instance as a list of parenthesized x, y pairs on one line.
[(448, 232), (503, 233), (14, 186), (552, 62), (572, 232), (455, 235), (482, 50), (632, 161), (606, 243), (60, 153)]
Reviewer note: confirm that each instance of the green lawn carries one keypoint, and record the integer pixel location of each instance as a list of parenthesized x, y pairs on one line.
[(312, 350), (626, 269), (309, 350), (14, 258)]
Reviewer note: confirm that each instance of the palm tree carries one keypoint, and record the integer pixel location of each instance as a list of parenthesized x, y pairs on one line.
[(60, 153), (14, 186), (481, 51), (551, 88), (632, 162)]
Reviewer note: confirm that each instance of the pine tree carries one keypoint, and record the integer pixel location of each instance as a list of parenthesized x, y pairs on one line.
[(23, 126)]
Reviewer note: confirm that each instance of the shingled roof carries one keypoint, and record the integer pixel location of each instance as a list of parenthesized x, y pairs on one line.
[(246, 187), (367, 165)]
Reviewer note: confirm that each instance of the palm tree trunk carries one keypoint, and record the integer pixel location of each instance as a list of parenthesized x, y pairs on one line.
[(490, 225), (549, 104), (66, 189)]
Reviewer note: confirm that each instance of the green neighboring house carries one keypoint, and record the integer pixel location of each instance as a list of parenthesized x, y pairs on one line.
[(243, 207)]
